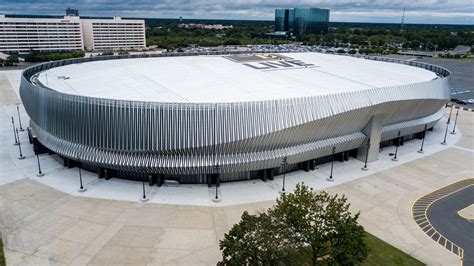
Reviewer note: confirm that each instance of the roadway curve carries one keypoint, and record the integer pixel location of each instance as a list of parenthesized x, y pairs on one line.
[(443, 215)]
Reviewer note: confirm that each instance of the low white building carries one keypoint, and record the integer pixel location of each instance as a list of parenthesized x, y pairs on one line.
[(40, 34), (113, 34), (70, 34)]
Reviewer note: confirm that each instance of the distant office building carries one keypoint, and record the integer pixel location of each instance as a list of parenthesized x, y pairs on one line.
[(72, 12), (192, 26), (70, 33), (310, 21), (301, 21), (41, 34), (113, 34), (284, 19)]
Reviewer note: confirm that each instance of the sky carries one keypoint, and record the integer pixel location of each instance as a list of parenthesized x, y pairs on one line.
[(389, 11)]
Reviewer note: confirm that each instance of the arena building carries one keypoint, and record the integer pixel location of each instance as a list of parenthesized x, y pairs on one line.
[(212, 118)]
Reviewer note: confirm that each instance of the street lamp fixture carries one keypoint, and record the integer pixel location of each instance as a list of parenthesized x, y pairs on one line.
[(14, 132), (365, 168), (40, 173), (21, 157), (423, 140), (81, 188), (395, 158), (19, 119), (446, 132), (283, 168), (217, 170), (455, 122), (331, 179)]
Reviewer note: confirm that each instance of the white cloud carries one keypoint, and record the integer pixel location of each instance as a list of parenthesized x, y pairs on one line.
[(418, 11)]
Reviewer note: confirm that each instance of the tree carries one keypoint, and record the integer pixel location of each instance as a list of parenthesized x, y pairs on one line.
[(302, 228), (252, 242), (12, 60)]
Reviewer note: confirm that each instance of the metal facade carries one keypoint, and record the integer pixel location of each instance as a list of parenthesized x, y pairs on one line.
[(192, 139)]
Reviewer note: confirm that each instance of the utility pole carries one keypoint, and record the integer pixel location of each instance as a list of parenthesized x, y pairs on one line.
[(403, 19)]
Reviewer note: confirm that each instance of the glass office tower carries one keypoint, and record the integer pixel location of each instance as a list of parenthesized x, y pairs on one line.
[(301, 21), (284, 19), (310, 21)]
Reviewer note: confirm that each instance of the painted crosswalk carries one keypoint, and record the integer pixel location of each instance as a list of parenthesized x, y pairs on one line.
[(455, 91)]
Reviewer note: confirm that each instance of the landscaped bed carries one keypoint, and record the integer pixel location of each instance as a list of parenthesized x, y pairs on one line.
[(2, 257), (382, 253)]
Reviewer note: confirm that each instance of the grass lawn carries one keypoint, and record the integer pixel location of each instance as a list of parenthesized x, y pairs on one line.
[(382, 253), (2, 258)]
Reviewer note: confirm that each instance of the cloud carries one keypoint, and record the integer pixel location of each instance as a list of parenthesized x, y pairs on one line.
[(419, 11)]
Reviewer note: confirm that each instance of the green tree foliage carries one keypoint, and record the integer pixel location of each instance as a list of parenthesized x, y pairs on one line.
[(35, 56), (11, 60), (167, 35), (252, 242), (302, 228), (417, 38)]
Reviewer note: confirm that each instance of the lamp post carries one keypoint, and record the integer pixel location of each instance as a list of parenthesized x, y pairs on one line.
[(450, 112), (144, 198), (19, 119), (365, 168), (396, 147), (81, 188), (283, 163), (455, 122), (216, 198), (21, 157), (40, 173), (330, 179), (14, 132), (423, 140), (446, 132)]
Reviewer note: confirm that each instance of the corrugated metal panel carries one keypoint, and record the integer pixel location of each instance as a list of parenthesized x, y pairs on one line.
[(188, 138)]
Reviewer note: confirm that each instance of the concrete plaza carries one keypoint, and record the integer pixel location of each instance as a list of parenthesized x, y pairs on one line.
[(44, 221)]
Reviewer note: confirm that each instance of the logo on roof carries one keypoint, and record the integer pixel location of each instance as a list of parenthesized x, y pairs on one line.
[(268, 62)]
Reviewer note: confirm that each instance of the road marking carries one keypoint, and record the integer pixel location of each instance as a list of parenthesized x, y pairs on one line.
[(422, 204), (455, 91)]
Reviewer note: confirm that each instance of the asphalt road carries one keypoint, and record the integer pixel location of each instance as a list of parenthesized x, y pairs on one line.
[(462, 71), (443, 216), (462, 75)]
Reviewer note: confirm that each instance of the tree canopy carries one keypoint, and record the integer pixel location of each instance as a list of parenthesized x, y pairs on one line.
[(302, 228)]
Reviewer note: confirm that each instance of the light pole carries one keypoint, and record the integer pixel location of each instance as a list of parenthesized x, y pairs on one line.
[(330, 179), (423, 140), (144, 197), (396, 147), (455, 122), (450, 112), (40, 173), (81, 188), (21, 157), (19, 119), (283, 163), (446, 133), (216, 198), (365, 168), (14, 132)]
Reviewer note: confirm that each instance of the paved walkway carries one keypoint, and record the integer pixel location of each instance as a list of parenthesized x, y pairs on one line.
[(42, 225)]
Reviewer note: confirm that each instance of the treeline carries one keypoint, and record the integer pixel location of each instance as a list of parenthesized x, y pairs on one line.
[(416, 39), (36, 57), (169, 36), (165, 34), (11, 60)]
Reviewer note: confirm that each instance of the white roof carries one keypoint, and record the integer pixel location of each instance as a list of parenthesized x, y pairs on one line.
[(199, 79)]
